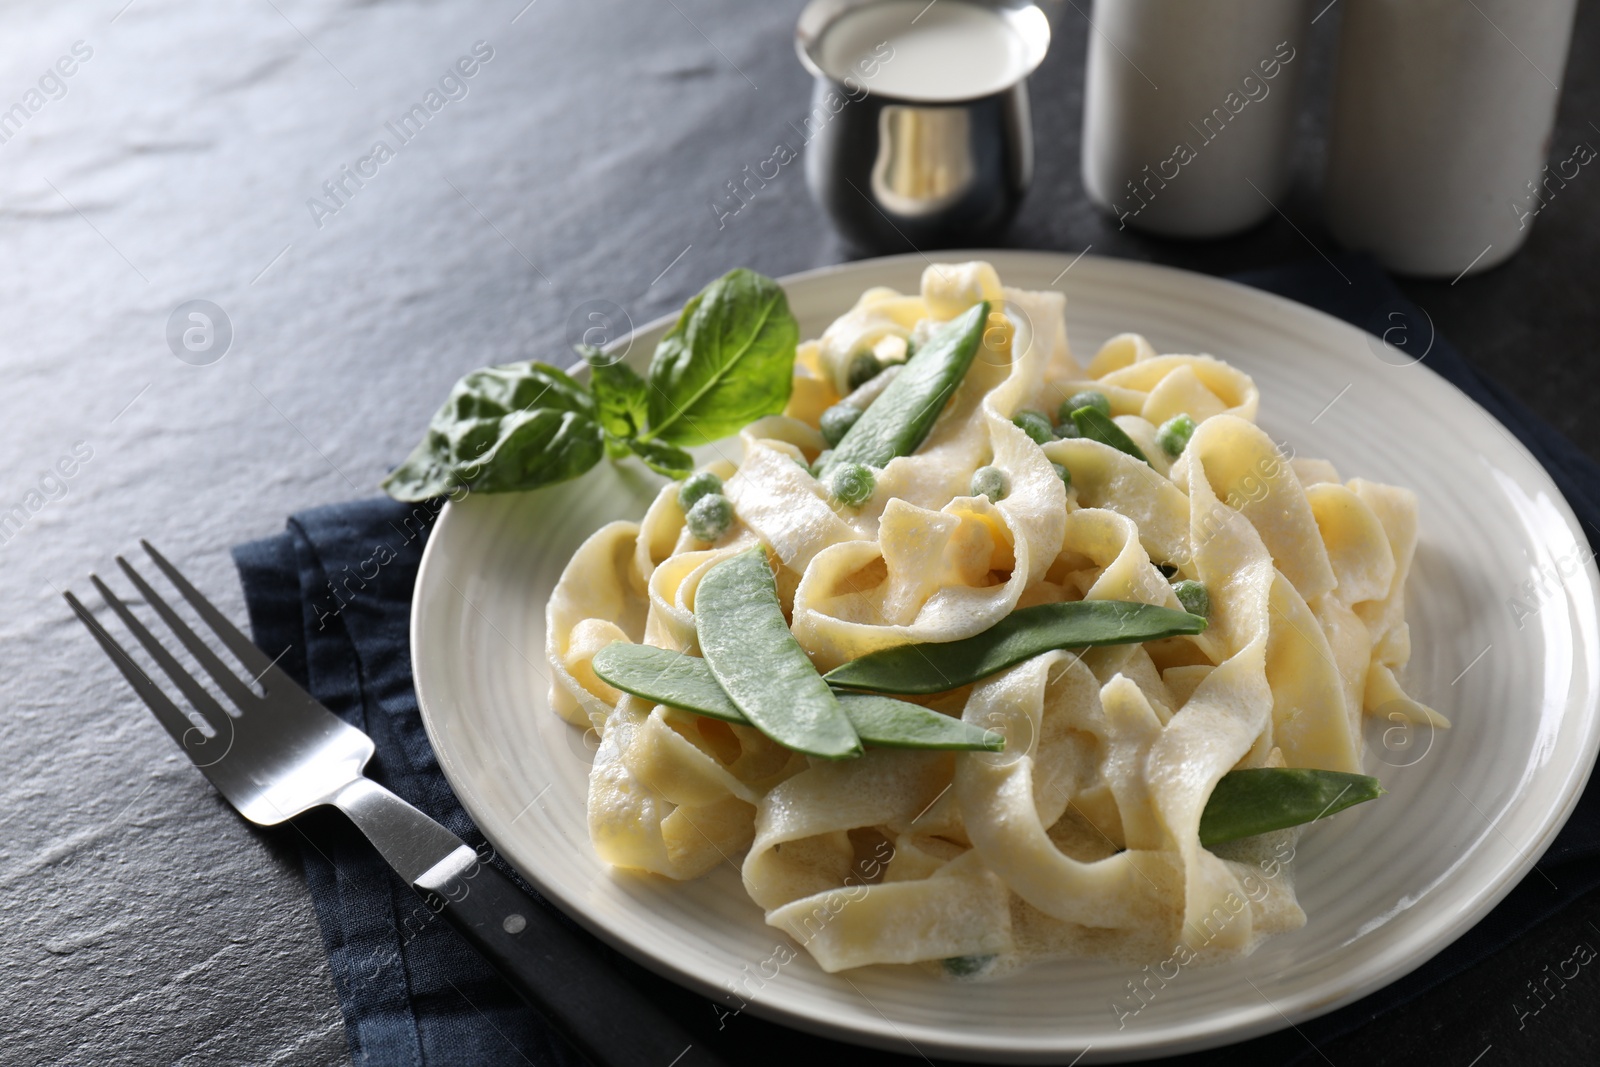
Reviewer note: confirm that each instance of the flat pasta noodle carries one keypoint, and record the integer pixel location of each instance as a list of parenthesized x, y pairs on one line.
[(1082, 836)]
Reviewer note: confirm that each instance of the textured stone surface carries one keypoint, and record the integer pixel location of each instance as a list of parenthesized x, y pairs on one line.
[(140, 920)]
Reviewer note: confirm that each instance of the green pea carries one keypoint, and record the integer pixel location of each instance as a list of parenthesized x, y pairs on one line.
[(697, 485), (1062, 473), (672, 678), (967, 966), (837, 420), (710, 517), (1036, 425), (990, 482), (851, 483), (1067, 430), (1174, 434), (864, 367), (1194, 597), (938, 666), (1262, 799), (760, 666), (903, 416), (1086, 399)]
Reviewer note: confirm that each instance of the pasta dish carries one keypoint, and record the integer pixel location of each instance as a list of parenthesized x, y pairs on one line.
[(1053, 615)]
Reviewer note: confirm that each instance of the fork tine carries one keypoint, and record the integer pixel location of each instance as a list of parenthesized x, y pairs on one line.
[(240, 645), (220, 672), (166, 712), (192, 690)]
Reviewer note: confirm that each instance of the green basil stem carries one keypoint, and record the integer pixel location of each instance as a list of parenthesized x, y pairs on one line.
[(1097, 426), (1256, 801), (686, 682), (901, 419), (759, 664), (933, 667)]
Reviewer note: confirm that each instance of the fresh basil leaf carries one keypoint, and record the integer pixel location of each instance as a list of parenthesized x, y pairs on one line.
[(425, 474), (668, 460), (518, 426), (537, 448), (619, 394), (728, 361), (516, 387)]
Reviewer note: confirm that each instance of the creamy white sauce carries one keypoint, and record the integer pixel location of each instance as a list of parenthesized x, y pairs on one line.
[(949, 50)]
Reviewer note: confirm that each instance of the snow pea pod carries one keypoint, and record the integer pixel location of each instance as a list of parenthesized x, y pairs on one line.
[(759, 664), (1097, 426), (933, 667), (900, 420), (686, 682), (890, 723), (1255, 801), (666, 677)]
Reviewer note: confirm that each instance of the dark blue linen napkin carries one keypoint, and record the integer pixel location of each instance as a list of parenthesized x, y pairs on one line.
[(333, 594)]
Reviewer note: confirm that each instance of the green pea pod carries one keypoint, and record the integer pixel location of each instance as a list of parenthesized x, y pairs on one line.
[(666, 677), (890, 723), (933, 667), (686, 682), (1097, 426), (902, 417), (759, 664), (1256, 801)]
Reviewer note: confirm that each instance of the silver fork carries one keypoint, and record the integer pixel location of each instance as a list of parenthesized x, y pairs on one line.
[(280, 753)]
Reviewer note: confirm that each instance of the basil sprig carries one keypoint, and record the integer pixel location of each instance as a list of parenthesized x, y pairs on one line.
[(728, 361)]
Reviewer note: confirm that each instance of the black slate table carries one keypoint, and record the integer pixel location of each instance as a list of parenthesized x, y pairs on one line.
[(140, 920)]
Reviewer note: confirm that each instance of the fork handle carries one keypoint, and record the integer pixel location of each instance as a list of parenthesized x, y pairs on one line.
[(555, 970)]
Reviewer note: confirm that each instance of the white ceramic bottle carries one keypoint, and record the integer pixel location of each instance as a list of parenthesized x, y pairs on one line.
[(1441, 129), (1189, 109)]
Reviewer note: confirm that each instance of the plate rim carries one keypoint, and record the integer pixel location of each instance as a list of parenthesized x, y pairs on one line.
[(1359, 980)]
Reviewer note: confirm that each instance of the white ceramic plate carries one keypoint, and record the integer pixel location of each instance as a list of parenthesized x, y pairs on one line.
[(1385, 886)]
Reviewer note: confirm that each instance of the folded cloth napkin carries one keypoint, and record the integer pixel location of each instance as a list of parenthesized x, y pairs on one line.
[(333, 594)]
